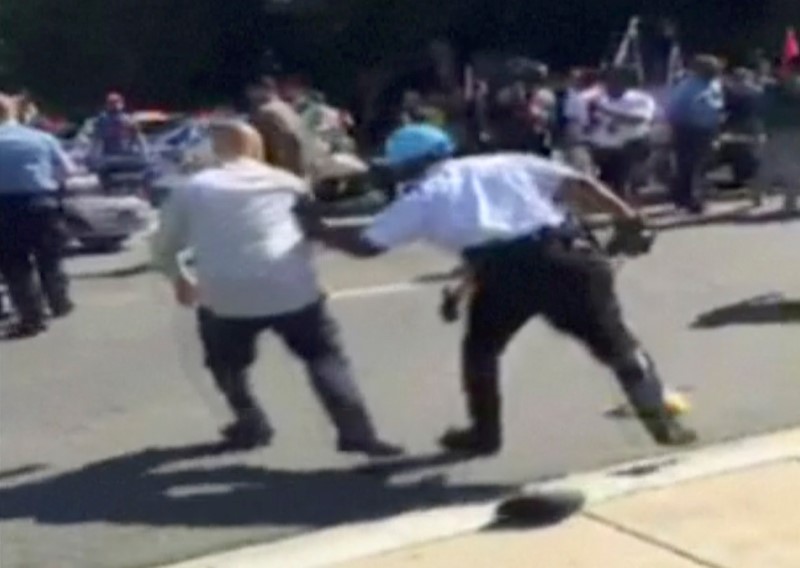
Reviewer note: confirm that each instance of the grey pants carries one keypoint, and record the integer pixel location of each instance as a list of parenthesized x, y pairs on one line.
[(310, 334)]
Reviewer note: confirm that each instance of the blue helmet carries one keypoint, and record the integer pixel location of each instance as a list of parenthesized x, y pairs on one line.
[(417, 142)]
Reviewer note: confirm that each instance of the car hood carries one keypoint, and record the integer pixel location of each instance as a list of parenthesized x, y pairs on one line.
[(103, 203)]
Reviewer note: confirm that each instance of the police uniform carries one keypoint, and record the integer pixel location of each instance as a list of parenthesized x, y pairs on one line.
[(501, 213), (32, 164)]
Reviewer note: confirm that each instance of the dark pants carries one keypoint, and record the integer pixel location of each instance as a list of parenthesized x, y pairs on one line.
[(617, 165), (31, 244), (573, 288), (310, 334), (693, 151)]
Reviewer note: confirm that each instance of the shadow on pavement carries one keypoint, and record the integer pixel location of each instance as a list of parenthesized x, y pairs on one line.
[(150, 488), (439, 277), (740, 216), (127, 272), (768, 309), (22, 471)]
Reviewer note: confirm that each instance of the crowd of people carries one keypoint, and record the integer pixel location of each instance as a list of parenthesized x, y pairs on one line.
[(497, 198), (607, 122)]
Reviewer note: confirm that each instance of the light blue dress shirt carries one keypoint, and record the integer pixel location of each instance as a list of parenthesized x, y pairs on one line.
[(31, 161), (696, 103)]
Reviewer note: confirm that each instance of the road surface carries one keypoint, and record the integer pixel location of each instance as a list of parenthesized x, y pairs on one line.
[(104, 419)]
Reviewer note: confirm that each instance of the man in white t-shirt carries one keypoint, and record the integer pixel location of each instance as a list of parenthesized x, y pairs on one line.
[(255, 273), (585, 88), (506, 215), (620, 126)]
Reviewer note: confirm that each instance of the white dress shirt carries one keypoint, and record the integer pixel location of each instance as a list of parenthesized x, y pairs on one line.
[(576, 111), (252, 258), (612, 133), (475, 200)]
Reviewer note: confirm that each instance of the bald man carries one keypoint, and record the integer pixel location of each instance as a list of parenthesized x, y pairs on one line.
[(254, 274), (32, 168)]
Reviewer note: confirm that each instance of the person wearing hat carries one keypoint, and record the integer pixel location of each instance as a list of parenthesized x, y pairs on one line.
[(506, 215), (254, 273), (695, 112)]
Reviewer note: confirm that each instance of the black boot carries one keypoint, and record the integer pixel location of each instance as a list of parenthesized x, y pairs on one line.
[(248, 432), (645, 392), (665, 429), (450, 308), (471, 441), (485, 435)]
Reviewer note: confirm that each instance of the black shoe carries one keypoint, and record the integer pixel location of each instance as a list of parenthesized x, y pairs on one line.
[(371, 448), (450, 309), (25, 330), (469, 441), (62, 310), (245, 436), (696, 208), (667, 430)]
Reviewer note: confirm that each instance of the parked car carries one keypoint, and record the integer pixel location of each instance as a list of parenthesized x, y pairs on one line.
[(100, 222)]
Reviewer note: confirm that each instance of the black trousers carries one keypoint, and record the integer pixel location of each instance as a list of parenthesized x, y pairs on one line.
[(230, 346), (693, 151), (573, 288), (617, 165), (31, 252)]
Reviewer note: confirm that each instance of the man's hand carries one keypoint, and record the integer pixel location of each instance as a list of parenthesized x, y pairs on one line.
[(631, 237), (185, 292)]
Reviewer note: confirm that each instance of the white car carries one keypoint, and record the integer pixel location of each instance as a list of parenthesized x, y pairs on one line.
[(101, 222)]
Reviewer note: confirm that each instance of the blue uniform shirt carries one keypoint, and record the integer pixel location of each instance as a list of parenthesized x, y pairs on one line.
[(31, 161), (117, 134), (696, 102)]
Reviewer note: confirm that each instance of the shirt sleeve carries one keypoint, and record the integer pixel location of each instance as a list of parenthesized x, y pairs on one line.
[(172, 235), (61, 162), (645, 108), (676, 101), (404, 222)]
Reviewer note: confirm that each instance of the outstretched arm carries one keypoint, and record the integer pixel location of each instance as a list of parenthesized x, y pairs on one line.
[(347, 239), (589, 195)]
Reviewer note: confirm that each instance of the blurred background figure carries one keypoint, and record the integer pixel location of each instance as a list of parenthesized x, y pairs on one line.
[(695, 112), (743, 130), (621, 121), (32, 168), (582, 91), (117, 144), (288, 145)]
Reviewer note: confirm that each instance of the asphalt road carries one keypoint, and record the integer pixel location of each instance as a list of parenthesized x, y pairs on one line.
[(103, 420)]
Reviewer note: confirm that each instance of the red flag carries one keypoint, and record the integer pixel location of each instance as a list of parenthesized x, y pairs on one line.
[(791, 51)]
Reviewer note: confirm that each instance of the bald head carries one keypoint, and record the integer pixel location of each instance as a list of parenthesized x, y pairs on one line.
[(8, 107), (234, 139)]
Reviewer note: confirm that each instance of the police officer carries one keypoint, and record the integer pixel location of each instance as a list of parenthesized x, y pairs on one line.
[(32, 167), (506, 214)]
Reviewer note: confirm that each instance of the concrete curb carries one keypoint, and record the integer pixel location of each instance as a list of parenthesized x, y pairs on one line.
[(355, 542)]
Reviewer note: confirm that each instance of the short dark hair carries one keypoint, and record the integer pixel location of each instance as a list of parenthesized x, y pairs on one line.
[(265, 82), (624, 75)]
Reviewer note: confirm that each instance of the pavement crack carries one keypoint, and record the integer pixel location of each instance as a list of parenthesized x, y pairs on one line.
[(652, 541)]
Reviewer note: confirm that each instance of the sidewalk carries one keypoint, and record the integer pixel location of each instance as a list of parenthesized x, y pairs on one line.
[(746, 518)]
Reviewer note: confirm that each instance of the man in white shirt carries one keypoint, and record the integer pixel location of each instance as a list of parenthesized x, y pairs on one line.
[(620, 126), (255, 273), (506, 215), (581, 94)]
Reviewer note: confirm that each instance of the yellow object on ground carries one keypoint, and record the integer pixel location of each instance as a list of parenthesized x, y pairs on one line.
[(677, 403)]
